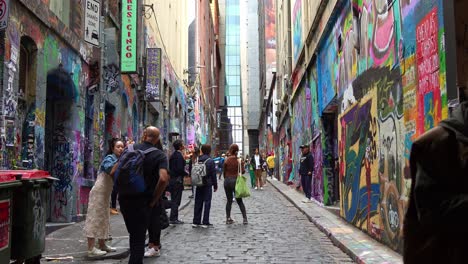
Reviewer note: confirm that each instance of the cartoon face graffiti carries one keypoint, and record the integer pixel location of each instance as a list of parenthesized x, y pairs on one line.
[(383, 35)]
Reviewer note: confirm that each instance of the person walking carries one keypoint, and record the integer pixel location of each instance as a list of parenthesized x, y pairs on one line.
[(176, 183), (203, 194), (305, 170), (257, 163), (271, 164), (136, 209), (232, 168), (250, 169), (97, 218)]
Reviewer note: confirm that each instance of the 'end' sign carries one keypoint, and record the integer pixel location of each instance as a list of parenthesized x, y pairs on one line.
[(128, 54), (92, 14)]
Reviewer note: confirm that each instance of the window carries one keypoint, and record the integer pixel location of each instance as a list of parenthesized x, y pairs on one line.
[(61, 8)]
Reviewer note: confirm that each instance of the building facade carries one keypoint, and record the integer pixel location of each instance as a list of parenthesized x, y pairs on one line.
[(64, 98), (359, 81)]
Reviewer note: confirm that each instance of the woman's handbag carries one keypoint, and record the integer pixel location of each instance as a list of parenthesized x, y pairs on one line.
[(242, 191), (164, 219)]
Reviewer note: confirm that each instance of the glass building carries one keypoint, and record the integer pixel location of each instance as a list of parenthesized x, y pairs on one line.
[(233, 89)]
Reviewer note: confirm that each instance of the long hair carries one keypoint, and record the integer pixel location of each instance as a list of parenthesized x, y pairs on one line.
[(196, 153), (112, 143), (233, 149)]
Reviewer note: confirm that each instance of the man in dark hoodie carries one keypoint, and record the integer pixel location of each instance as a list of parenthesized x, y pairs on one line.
[(176, 183), (435, 227)]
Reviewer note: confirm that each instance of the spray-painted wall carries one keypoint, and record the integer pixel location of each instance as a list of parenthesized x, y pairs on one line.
[(60, 118), (386, 66)]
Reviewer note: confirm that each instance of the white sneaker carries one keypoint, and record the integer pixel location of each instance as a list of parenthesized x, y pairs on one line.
[(96, 252), (261, 188), (108, 249), (152, 252), (306, 200), (256, 188)]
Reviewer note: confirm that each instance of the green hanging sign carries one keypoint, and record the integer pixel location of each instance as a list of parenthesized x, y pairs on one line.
[(128, 54)]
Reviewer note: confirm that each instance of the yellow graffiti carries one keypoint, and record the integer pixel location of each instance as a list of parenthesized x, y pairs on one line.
[(40, 117)]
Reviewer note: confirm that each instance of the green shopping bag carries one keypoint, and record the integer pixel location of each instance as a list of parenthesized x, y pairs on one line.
[(242, 191)]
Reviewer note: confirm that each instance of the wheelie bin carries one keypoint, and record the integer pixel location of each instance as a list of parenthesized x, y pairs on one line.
[(8, 183), (29, 216)]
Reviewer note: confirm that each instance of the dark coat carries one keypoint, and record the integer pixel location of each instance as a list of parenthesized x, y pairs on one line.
[(307, 164), (436, 223), (210, 171), (177, 167), (252, 162)]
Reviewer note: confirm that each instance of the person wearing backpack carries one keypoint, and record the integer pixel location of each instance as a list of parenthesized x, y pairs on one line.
[(141, 177), (97, 219), (176, 183), (204, 193)]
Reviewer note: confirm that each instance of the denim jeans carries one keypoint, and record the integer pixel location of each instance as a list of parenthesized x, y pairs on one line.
[(203, 197), (229, 188), (306, 182)]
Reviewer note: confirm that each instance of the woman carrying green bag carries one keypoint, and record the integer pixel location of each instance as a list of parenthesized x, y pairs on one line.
[(232, 167)]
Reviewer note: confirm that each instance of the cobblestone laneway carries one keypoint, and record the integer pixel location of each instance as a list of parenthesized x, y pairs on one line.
[(277, 233)]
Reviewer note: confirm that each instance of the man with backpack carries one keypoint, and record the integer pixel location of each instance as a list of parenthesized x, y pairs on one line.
[(141, 179), (176, 183)]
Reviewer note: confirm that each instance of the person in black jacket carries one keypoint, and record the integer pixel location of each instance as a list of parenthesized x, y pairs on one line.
[(435, 229), (305, 170), (204, 193), (176, 183), (257, 163)]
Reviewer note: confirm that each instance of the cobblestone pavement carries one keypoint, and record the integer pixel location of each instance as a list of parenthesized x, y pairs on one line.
[(277, 233)]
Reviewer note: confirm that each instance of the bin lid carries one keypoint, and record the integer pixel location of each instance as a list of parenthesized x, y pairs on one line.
[(7, 177), (29, 174)]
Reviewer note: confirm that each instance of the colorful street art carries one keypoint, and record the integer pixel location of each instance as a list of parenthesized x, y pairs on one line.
[(297, 37), (301, 122), (385, 63)]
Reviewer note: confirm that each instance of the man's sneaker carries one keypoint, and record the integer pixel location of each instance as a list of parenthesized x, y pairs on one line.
[(306, 200), (108, 249), (196, 225), (207, 226), (96, 252), (152, 252), (176, 222)]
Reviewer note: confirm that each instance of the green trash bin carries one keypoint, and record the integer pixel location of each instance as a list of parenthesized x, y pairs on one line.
[(8, 183), (29, 216)]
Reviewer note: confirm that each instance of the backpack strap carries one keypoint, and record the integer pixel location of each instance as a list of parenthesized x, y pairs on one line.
[(148, 150), (206, 160), (130, 148)]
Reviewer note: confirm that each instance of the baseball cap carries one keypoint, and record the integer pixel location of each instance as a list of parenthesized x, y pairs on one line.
[(304, 146)]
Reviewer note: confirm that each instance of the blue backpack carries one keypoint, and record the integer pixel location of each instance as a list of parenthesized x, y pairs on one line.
[(129, 176)]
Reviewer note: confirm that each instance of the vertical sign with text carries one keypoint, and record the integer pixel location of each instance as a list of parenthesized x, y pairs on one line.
[(428, 68), (92, 14), (153, 74), (128, 55)]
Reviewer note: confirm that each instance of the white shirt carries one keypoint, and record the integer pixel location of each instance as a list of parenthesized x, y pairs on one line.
[(257, 162)]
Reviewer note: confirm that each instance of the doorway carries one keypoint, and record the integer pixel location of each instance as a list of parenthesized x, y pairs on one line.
[(330, 157)]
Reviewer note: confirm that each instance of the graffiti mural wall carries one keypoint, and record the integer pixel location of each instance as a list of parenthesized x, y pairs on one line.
[(301, 128), (386, 65), (60, 123)]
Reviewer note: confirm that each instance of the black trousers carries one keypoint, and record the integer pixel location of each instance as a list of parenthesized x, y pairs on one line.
[(176, 190), (230, 188), (154, 228), (203, 204), (114, 197), (136, 213)]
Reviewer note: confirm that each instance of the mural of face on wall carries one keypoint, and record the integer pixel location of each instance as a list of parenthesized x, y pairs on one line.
[(383, 35)]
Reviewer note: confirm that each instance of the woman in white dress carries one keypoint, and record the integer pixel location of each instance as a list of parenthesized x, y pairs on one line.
[(97, 219)]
